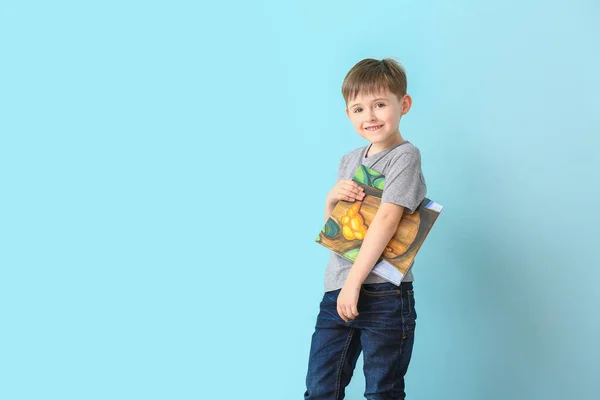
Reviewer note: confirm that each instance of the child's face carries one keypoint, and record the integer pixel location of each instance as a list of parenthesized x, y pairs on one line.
[(381, 111)]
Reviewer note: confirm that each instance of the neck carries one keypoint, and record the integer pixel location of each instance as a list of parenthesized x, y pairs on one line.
[(393, 141)]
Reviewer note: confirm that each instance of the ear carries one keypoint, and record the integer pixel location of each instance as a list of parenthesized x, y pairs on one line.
[(406, 104), (348, 112)]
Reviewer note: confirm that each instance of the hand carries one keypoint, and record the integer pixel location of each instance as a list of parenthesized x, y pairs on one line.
[(347, 302), (347, 190)]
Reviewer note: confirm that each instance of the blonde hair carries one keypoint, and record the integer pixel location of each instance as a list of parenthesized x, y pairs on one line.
[(373, 76)]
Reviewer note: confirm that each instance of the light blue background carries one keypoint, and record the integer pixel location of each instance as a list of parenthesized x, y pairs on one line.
[(164, 167)]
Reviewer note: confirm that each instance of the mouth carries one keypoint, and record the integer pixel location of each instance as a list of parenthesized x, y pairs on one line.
[(373, 128)]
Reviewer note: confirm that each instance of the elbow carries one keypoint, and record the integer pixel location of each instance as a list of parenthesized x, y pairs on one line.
[(390, 213), (390, 221)]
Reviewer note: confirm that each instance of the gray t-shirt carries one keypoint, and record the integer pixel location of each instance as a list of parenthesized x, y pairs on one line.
[(404, 185)]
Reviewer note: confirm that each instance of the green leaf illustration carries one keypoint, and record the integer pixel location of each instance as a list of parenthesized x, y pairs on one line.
[(351, 254), (331, 229), (361, 175), (379, 182), (369, 177)]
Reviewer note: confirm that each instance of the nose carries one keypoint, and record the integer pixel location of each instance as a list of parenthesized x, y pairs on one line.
[(370, 115)]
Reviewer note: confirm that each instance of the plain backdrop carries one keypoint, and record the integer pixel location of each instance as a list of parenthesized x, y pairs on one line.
[(164, 166)]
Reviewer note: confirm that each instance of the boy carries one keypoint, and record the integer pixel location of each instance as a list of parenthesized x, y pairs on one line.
[(361, 311)]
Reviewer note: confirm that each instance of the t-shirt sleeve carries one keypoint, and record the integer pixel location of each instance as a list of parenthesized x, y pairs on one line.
[(404, 182)]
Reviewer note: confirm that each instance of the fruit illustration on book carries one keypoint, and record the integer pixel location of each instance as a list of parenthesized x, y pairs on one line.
[(353, 224)]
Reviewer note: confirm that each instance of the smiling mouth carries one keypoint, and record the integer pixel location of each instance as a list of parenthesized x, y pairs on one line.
[(373, 128)]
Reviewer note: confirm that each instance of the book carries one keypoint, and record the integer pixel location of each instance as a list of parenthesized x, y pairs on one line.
[(347, 226)]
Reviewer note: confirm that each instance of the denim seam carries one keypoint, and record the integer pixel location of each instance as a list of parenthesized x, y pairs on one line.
[(341, 365), (394, 380), (401, 342)]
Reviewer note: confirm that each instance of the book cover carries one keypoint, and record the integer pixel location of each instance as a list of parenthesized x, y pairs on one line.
[(347, 226)]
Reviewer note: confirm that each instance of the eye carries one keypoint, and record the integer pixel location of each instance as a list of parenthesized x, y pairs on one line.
[(356, 109), (381, 104)]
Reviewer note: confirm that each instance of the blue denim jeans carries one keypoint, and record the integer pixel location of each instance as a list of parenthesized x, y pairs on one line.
[(383, 331)]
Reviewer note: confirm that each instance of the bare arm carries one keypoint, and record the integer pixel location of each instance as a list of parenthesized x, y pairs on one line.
[(378, 235)]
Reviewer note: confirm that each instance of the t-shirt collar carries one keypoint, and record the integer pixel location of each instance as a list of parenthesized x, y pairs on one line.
[(382, 152)]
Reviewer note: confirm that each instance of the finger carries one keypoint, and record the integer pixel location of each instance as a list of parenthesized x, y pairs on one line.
[(354, 193), (358, 196), (354, 311), (350, 193), (341, 314), (345, 195), (348, 312), (353, 187), (356, 186), (360, 192)]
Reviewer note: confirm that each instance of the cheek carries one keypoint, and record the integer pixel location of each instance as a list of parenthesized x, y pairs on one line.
[(384, 115), (392, 116)]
